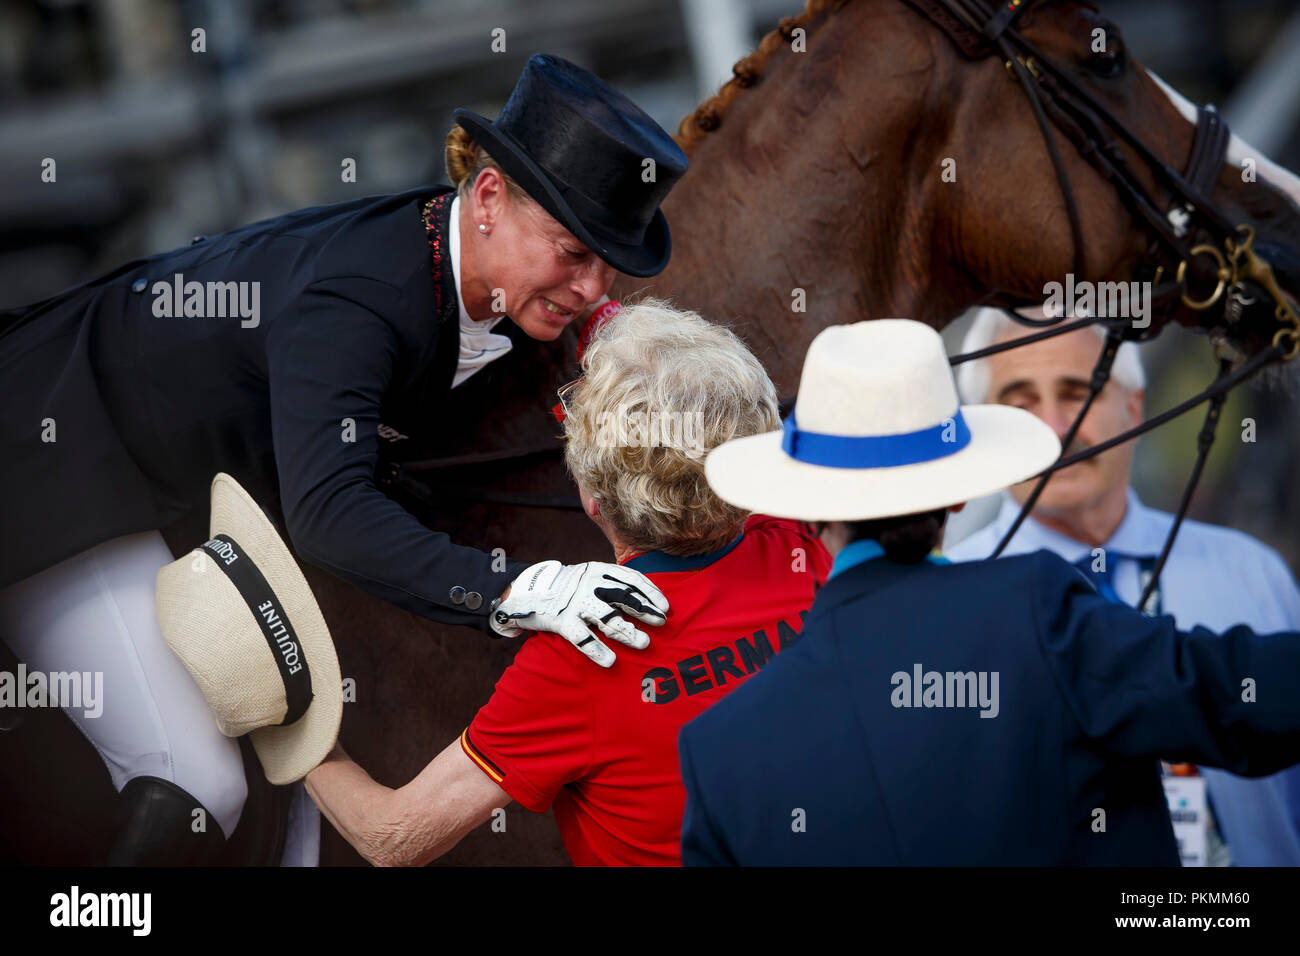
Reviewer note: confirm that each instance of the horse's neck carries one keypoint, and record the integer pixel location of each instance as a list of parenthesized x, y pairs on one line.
[(779, 258), (803, 199)]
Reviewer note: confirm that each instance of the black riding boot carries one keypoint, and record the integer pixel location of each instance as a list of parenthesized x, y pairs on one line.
[(156, 827)]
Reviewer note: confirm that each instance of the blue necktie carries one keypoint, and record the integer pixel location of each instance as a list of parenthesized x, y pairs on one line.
[(1101, 580)]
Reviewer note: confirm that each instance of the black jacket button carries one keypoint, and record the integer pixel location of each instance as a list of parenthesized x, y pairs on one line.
[(473, 600), (139, 285), (458, 595)]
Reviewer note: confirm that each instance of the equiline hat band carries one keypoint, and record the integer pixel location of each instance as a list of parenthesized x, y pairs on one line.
[(271, 618)]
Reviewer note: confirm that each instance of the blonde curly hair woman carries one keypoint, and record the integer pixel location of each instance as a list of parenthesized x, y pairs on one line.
[(602, 746)]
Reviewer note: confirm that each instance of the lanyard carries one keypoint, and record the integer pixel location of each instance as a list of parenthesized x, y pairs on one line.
[(1146, 568)]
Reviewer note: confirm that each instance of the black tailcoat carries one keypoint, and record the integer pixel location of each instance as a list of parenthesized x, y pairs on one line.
[(115, 419)]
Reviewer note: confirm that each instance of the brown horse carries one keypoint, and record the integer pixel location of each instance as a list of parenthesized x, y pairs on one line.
[(817, 194)]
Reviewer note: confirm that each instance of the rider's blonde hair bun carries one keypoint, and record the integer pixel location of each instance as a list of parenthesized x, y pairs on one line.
[(466, 159)]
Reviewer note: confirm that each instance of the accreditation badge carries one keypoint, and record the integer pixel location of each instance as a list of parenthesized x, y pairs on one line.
[(1185, 797)]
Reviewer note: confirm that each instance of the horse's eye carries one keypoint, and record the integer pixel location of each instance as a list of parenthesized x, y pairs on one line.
[(1108, 64)]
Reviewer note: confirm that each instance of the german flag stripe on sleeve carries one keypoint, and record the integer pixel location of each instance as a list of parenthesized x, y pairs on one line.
[(487, 766)]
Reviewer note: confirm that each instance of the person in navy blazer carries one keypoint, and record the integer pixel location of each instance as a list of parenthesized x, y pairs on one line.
[(990, 713)]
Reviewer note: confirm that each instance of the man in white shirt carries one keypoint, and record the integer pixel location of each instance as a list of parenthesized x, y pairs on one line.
[(1088, 514)]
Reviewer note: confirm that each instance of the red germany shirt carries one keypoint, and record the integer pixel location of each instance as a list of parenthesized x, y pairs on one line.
[(601, 744)]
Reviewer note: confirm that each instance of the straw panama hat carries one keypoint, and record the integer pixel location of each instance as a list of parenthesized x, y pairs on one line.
[(240, 616), (877, 432)]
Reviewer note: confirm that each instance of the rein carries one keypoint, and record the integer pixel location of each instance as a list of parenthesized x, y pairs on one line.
[(401, 477)]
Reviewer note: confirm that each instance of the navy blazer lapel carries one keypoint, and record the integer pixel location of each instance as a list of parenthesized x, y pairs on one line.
[(448, 348)]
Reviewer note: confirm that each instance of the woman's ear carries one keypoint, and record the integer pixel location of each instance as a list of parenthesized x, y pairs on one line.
[(489, 199)]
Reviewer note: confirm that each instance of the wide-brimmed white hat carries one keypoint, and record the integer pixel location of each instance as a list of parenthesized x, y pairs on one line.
[(877, 431), (240, 616)]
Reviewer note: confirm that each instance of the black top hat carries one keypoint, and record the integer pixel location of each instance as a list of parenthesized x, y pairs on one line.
[(579, 148)]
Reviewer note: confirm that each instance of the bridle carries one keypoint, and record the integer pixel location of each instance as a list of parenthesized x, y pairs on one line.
[(1193, 242), (1193, 245)]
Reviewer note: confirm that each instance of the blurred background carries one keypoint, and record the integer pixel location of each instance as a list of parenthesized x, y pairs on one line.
[(156, 144)]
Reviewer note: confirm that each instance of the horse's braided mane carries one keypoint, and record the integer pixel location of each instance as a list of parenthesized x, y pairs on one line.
[(747, 72)]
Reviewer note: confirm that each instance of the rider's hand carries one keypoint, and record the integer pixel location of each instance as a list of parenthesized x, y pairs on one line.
[(570, 599)]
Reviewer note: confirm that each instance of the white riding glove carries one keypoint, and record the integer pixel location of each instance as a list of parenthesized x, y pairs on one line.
[(570, 599)]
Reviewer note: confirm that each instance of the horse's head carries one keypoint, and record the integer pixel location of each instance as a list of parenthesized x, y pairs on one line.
[(1013, 231), (861, 165)]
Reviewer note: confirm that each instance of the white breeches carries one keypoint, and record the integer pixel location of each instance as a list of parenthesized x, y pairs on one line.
[(94, 613)]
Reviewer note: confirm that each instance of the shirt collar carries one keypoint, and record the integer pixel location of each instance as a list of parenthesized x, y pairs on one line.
[(855, 553), (864, 550), (652, 562), (479, 345), (1140, 534)]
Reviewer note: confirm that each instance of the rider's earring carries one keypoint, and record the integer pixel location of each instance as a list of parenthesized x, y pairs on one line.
[(482, 228)]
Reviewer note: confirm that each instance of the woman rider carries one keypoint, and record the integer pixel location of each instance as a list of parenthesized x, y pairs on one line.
[(276, 353)]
